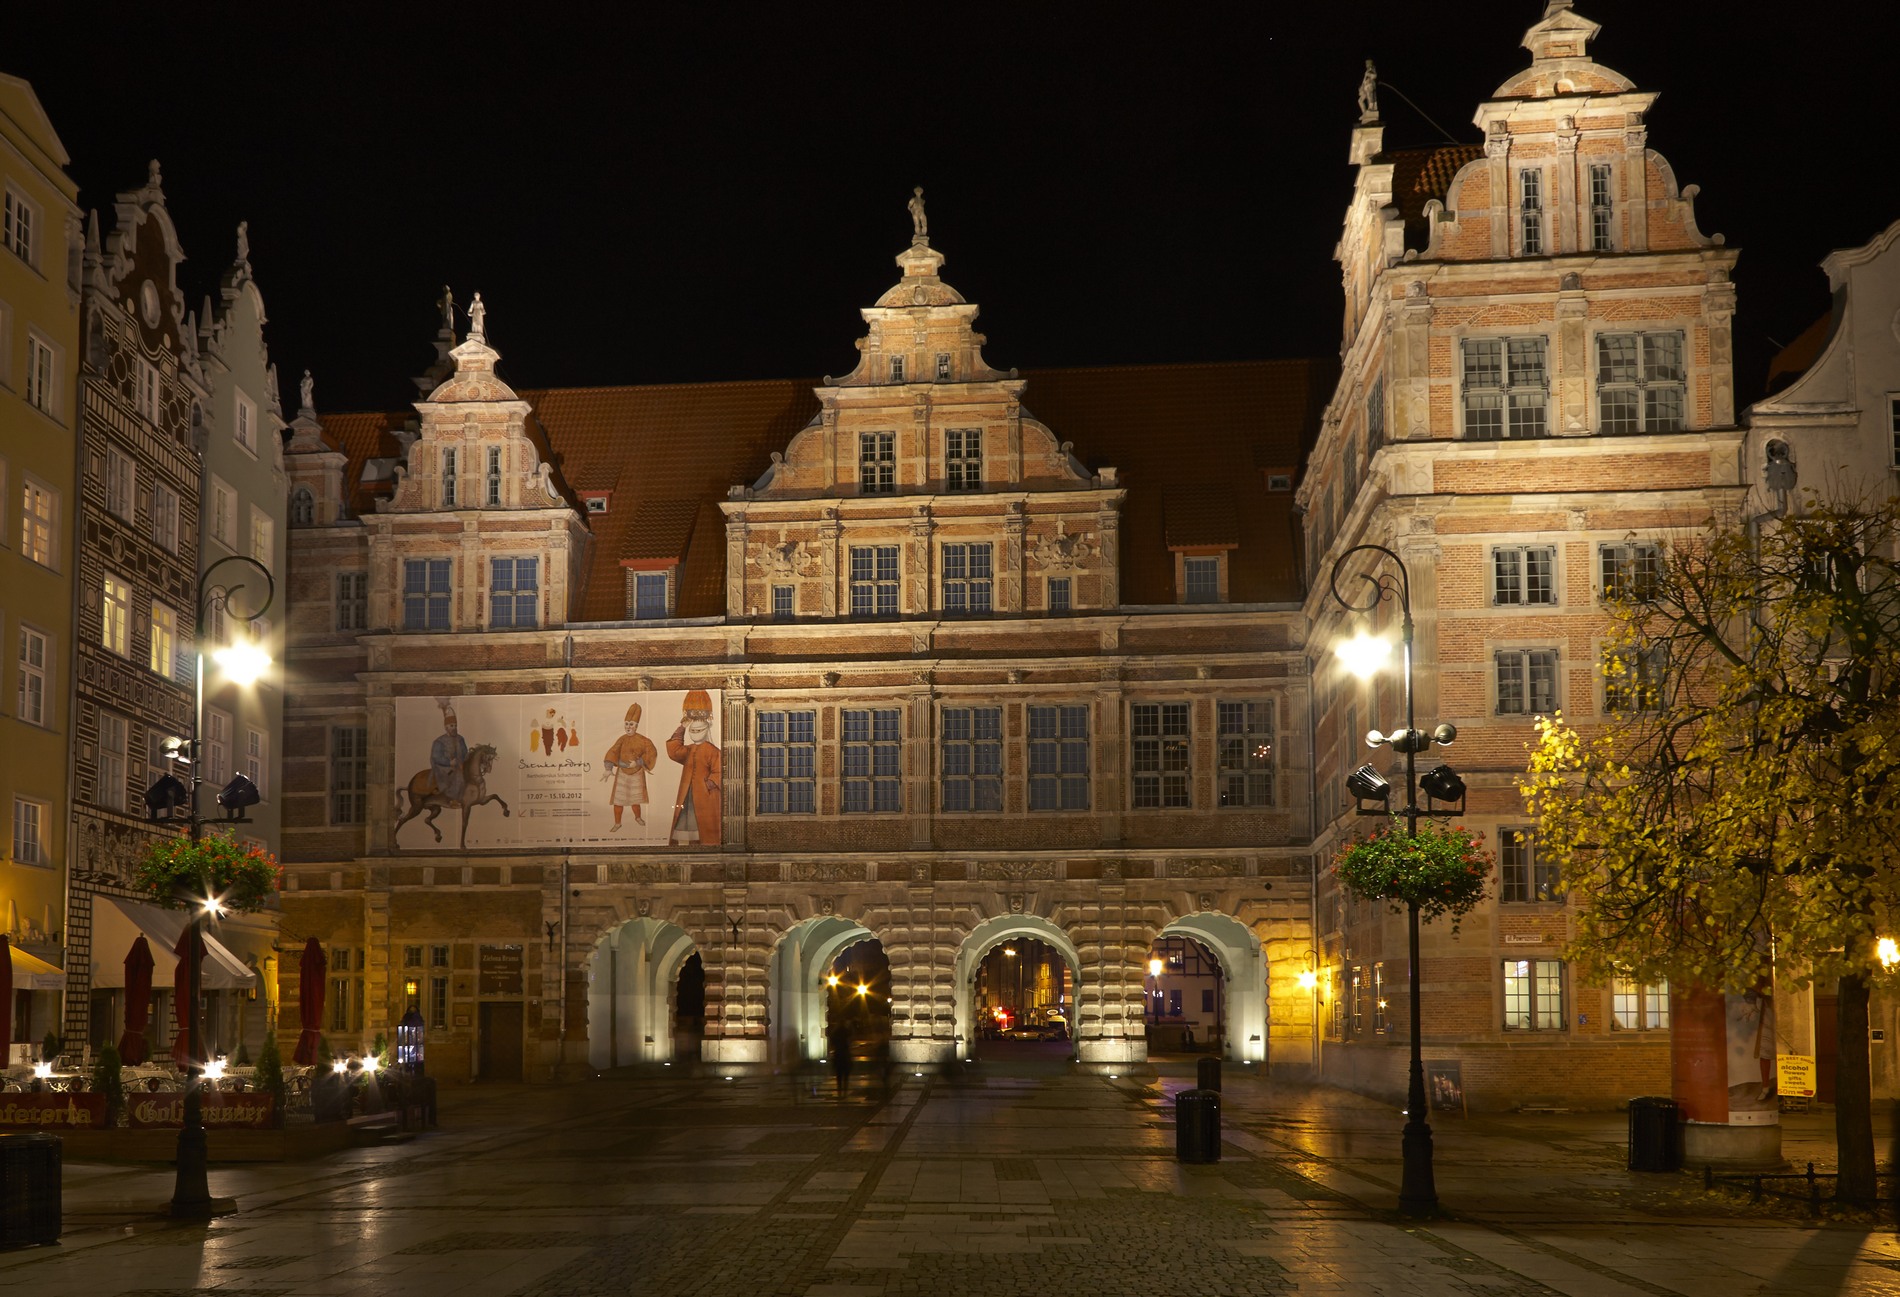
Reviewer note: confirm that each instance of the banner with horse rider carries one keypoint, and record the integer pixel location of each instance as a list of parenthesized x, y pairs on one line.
[(526, 770)]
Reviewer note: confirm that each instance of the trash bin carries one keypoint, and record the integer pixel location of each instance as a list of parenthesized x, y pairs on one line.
[(1209, 1073), (29, 1189), (1655, 1144), (1197, 1126)]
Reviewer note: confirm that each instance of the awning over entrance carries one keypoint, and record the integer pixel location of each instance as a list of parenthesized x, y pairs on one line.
[(31, 973), (116, 924)]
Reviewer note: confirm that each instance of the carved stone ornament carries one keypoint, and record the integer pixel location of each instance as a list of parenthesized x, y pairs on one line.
[(1015, 870), (1016, 900), (639, 873), (920, 873), (1204, 868), (823, 871), (1111, 871), (645, 907), (1063, 552), (790, 558), (827, 906), (1204, 901)]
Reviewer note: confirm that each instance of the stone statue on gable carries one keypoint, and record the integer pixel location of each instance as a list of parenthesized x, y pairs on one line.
[(919, 227), (477, 313), (447, 303), (1369, 94), (307, 392), (244, 241)]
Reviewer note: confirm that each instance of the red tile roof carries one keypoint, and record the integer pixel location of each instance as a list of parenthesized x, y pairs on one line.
[(1420, 175)]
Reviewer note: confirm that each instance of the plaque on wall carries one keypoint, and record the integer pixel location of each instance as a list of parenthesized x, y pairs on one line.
[(500, 970)]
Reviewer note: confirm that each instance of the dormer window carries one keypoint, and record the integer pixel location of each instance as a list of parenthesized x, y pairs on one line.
[(877, 463), (303, 507), (943, 367), (897, 369), (493, 487), (448, 479), (597, 504), (1530, 194)]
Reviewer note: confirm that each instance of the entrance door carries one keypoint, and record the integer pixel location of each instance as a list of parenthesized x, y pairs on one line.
[(501, 1023), (1827, 1045)]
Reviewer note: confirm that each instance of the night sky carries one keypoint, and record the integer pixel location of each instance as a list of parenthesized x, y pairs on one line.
[(700, 191)]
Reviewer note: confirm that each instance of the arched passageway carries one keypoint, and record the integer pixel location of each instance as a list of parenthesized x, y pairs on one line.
[(1043, 975), (634, 990), (801, 964), (1238, 991)]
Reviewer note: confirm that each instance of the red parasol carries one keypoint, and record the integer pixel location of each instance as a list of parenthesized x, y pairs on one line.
[(182, 1051), (133, 1048), (310, 987), (6, 1001)]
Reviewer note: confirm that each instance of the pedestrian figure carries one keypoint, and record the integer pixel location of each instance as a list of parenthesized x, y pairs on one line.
[(840, 1041)]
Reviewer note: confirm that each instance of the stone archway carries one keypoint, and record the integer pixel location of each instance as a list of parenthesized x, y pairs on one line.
[(632, 977), (985, 937), (1243, 967), (797, 983)]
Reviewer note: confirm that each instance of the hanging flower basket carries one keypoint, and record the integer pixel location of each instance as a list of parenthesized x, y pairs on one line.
[(177, 871), (1443, 870)]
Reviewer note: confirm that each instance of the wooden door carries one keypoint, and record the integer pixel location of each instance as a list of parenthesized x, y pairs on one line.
[(1827, 1044), (501, 1024)]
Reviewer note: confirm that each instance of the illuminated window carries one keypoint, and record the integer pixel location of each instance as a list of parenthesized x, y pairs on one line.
[(115, 620), (164, 640), (1533, 995), (1639, 1006)]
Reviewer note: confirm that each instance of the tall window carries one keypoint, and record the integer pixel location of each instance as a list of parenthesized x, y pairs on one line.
[(1638, 1006), (1602, 208), (34, 656), (897, 369), (121, 483), (145, 389), (39, 519), (873, 580), (217, 746), (425, 594), (1524, 876), (1640, 383), (1533, 995), (263, 535), (1527, 682), (1631, 570), (349, 774), (972, 758), (115, 620), (649, 596), (223, 513), (514, 592), (1530, 211), (1160, 754), (943, 367), (783, 602), (29, 831), (872, 777), (1059, 596), (966, 577), (1507, 388), (1245, 745), (165, 516), (1059, 758), (788, 763), (164, 659), (1203, 579), (1522, 574), (491, 491), (42, 375), (257, 760), (1633, 679), (303, 507), (963, 459), (1375, 417), (246, 427), (352, 600), (438, 1002), (877, 463), (114, 732), (21, 230)]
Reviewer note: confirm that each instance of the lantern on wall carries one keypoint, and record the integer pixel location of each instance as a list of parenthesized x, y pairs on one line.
[(409, 1034)]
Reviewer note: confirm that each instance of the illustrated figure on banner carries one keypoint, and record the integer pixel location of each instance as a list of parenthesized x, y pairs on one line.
[(627, 763), (457, 776), (698, 805), (446, 756)]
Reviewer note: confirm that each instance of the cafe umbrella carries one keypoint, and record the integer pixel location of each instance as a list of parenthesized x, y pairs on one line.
[(133, 1047), (6, 997), (310, 987), (183, 1051)]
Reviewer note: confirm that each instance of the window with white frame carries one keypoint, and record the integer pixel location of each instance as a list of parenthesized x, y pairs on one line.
[(425, 594), (257, 760), (972, 758), (448, 478), (1159, 756), (787, 763), (21, 229), (29, 831), (514, 593), (874, 580), (1506, 388), (1524, 574), (873, 774), (217, 746), (1523, 876), (145, 389), (1639, 1006), (121, 483), (244, 426), (943, 366), (1633, 679), (42, 375), (352, 601), (1533, 995), (967, 577), (115, 615), (164, 640), (784, 602), (303, 507), (35, 659), (224, 514), (1201, 576), (1527, 682), (263, 535), (1602, 207), (1059, 758), (1640, 382), (1530, 212), (491, 488), (877, 463), (6, 344), (165, 516), (114, 734), (1244, 749), (1060, 599), (39, 524), (652, 596), (1630, 570), (963, 459)]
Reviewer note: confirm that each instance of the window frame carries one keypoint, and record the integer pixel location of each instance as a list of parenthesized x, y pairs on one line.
[(121, 484), (1528, 659), (1601, 182), (1523, 581), (1646, 1002), (1641, 386), (30, 848), (112, 760), (962, 459), (491, 477), (1061, 759), (1641, 559), (1530, 211), (1514, 421), (785, 761), (421, 602), (1160, 755), (644, 607), (877, 590), (871, 761), (263, 536), (224, 509), (507, 603), (166, 506), (1210, 565), (21, 220), (162, 640), (31, 672), (257, 759), (877, 463), (45, 391), (784, 602), (349, 774), (1253, 771), (1541, 978), (219, 730), (1523, 877), (351, 601), (115, 613), (1060, 595), (39, 523), (970, 756), (449, 477), (1649, 675), (244, 424), (967, 580)]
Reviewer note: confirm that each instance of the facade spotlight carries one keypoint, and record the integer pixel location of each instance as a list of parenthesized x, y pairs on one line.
[(1367, 784), (238, 796), (165, 795), (1442, 784)]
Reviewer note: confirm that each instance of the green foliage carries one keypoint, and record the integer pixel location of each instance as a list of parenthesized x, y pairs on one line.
[(50, 1047), (175, 870), (1442, 869), (270, 1069), (109, 1080), (324, 1056)]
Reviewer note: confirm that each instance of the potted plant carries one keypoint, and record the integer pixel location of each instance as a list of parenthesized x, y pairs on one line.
[(109, 1081), (270, 1076), (178, 872), (1443, 869)]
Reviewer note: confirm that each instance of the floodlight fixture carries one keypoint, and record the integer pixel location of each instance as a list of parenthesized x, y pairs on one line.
[(1442, 784), (1368, 784)]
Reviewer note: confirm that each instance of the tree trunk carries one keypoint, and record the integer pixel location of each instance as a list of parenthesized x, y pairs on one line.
[(1853, 1095)]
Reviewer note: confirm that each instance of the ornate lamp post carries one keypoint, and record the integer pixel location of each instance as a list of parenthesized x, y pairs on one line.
[(1418, 1196)]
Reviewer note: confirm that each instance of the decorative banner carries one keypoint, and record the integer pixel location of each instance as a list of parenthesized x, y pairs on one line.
[(222, 1109), (1795, 1075), (66, 1111), (550, 770)]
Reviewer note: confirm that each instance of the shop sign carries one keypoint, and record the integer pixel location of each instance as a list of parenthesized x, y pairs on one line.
[(246, 1111), (500, 970), (1794, 1076), (64, 1111)]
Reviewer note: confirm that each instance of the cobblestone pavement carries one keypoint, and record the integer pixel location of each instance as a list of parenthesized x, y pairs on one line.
[(987, 1182)]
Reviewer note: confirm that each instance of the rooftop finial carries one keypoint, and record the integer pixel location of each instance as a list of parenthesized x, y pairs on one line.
[(919, 227), (1557, 6), (1369, 95), (476, 314)]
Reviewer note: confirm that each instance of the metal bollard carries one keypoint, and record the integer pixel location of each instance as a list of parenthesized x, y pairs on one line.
[(1197, 1126), (1208, 1073)]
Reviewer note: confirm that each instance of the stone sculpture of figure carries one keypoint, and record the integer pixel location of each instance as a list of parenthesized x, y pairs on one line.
[(244, 241), (447, 303), (1780, 475), (476, 314), (307, 392), (919, 227), (1369, 94)]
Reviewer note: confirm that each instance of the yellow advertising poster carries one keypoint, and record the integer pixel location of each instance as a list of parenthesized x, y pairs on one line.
[(1795, 1072)]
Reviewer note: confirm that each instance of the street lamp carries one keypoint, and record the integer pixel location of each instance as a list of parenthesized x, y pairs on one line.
[(243, 663), (1417, 1194)]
